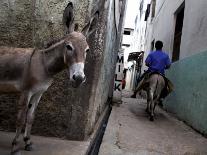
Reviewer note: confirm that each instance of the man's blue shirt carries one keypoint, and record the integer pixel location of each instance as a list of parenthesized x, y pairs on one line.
[(158, 61)]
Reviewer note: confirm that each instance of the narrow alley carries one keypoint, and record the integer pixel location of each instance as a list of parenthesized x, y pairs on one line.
[(69, 70), (129, 132)]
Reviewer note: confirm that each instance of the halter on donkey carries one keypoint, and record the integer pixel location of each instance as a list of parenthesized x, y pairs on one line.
[(30, 71)]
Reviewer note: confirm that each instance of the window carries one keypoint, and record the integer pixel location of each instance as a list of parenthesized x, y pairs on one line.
[(153, 8), (179, 15), (126, 32), (127, 45), (152, 45), (147, 12)]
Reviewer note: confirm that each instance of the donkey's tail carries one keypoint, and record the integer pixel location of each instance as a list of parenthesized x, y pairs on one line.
[(156, 86)]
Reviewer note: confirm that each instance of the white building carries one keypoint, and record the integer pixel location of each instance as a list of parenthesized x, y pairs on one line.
[(180, 24), (134, 37)]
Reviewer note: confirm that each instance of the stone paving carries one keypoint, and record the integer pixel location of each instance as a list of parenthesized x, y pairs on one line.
[(129, 132), (45, 146)]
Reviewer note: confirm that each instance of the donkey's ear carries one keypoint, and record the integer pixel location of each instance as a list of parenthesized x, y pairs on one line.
[(68, 18), (91, 26)]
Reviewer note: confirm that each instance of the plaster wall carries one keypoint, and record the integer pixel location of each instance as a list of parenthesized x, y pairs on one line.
[(104, 60), (188, 100), (194, 30)]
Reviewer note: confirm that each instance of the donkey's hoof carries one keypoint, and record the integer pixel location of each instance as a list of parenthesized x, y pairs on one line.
[(29, 147), (151, 118), (15, 149)]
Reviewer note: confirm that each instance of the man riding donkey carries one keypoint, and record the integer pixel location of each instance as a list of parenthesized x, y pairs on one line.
[(157, 62)]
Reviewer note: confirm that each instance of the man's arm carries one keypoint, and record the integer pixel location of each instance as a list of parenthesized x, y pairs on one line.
[(168, 63), (147, 64), (148, 61)]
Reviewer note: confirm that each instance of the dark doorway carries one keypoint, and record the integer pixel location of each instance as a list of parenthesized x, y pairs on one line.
[(127, 32), (179, 15)]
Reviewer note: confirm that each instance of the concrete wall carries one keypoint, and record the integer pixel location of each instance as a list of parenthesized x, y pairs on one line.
[(164, 24), (194, 29), (63, 111), (104, 58), (188, 101)]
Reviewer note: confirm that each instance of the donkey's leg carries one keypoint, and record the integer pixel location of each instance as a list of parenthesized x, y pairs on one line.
[(151, 104), (156, 101), (148, 102), (21, 118), (30, 118), (139, 87)]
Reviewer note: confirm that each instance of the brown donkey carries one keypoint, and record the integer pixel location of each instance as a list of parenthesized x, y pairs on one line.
[(30, 71)]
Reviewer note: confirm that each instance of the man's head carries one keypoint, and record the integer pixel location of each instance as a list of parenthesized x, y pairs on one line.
[(158, 45)]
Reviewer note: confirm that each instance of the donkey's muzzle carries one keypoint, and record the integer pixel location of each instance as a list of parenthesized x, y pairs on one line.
[(78, 80)]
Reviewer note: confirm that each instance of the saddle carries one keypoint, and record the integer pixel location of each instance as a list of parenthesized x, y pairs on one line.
[(166, 90)]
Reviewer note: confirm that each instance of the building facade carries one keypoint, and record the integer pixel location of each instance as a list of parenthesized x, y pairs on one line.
[(181, 25), (134, 40)]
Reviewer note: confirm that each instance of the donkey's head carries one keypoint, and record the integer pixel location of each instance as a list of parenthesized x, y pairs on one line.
[(76, 46)]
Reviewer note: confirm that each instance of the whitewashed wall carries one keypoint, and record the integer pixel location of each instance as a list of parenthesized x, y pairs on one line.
[(194, 33)]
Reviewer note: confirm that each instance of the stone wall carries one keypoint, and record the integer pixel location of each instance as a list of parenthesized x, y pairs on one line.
[(63, 111), (15, 23), (105, 58), (28, 23)]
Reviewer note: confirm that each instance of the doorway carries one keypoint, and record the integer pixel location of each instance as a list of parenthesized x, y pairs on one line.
[(179, 16)]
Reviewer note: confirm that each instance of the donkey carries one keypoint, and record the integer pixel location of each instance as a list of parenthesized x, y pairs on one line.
[(30, 72), (156, 84)]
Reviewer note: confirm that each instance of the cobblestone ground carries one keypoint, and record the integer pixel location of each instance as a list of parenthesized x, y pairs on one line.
[(129, 132)]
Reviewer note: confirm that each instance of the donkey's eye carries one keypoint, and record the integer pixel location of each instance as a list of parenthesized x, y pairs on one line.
[(87, 50), (69, 47)]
